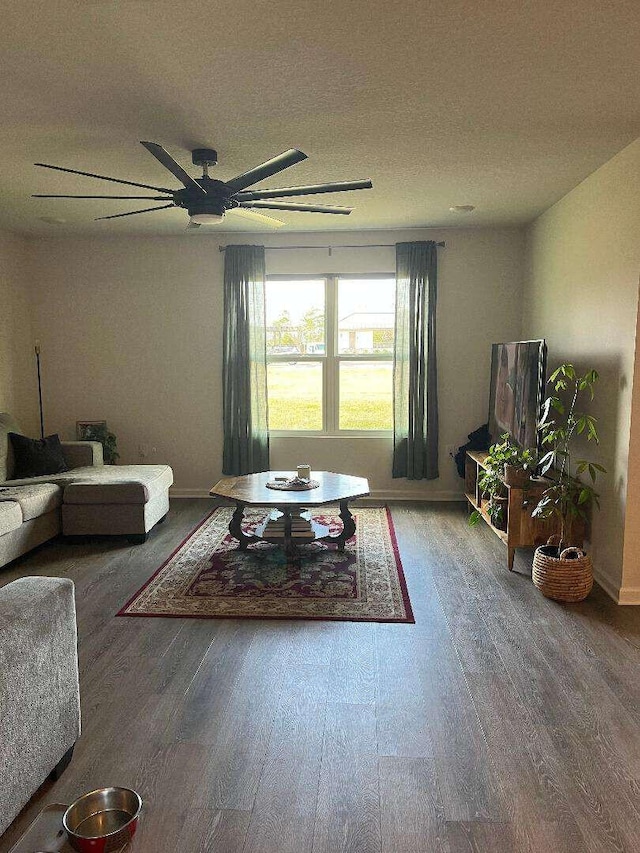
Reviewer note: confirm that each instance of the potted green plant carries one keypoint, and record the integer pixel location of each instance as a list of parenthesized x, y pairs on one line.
[(493, 486), (100, 432), (494, 493), (517, 463), (560, 569), (505, 464)]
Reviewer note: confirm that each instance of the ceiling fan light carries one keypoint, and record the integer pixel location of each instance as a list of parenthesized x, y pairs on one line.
[(207, 218)]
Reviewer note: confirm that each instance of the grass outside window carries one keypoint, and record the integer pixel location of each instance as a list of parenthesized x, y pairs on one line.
[(295, 396)]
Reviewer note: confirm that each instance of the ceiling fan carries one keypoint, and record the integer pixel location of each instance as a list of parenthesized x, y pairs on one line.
[(208, 200)]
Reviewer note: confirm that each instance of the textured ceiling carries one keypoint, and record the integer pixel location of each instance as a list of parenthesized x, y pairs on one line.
[(504, 105)]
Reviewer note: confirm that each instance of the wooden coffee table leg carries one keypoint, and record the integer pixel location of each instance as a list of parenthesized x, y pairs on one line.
[(235, 527), (290, 547), (348, 525)]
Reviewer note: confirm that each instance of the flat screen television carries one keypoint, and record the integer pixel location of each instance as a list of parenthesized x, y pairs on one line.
[(517, 390)]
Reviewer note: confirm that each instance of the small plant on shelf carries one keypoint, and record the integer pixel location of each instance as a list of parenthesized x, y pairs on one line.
[(492, 488), (507, 463), (567, 498), (517, 463)]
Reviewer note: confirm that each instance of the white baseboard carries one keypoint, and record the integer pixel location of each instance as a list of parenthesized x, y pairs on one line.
[(409, 495), (607, 585), (626, 595), (384, 495), (622, 594), (189, 493)]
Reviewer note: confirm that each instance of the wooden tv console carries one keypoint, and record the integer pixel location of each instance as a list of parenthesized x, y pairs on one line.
[(521, 529)]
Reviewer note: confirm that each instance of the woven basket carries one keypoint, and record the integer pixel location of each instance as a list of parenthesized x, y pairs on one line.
[(568, 577)]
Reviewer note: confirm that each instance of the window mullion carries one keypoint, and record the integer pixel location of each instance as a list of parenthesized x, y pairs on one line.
[(331, 364)]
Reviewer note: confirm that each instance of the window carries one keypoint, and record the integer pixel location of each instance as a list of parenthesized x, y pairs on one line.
[(330, 353)]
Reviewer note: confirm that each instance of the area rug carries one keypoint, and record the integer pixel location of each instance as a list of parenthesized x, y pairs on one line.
[(207, 577)]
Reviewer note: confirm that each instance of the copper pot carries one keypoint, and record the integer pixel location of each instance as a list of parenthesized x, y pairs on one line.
[(102, 821)]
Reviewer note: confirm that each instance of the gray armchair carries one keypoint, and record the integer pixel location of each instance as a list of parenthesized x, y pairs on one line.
[(39, 690)]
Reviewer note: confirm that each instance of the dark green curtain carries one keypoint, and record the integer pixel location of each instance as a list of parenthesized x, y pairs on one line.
[(415, 379), (244, 369)]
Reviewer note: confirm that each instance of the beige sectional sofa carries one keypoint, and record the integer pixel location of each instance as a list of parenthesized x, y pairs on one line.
[(89, 498)]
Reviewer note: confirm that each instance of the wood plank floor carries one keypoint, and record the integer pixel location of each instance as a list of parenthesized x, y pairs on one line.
[(500, 721)]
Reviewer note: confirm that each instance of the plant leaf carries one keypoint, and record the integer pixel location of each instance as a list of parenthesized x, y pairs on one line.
[(474, 518), (555, 373)]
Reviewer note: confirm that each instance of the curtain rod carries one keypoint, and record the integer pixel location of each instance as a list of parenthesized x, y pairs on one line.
[(364, 246)]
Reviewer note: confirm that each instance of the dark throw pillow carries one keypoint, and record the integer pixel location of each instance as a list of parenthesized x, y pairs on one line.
[(35, 457)]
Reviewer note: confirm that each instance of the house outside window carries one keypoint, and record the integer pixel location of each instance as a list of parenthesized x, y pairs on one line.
[(330, 353)]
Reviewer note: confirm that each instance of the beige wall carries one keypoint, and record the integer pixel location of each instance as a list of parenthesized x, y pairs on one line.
[(131, 331), (18, 385), (630, 592), (582, 296)]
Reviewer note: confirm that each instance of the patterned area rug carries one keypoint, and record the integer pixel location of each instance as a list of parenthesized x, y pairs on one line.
[(207, 576)]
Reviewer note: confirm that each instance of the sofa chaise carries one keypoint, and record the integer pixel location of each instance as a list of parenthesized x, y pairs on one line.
[(89, 498), (39, 692)]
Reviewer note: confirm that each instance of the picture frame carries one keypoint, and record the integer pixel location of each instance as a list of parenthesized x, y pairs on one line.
[(86, 430), (518, 374), (99, 431)]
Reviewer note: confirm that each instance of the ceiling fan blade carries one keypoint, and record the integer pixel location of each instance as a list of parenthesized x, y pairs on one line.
[(121, 197), (265, 170), (257, 217), (175, 168), (134, 212), (104, 178), (284, 205), (311, 189)]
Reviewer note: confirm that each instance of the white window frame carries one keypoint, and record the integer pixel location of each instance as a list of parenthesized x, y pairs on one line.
[(330, 360)]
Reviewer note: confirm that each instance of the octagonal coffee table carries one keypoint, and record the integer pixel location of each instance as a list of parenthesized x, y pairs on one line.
[(290, 523)]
